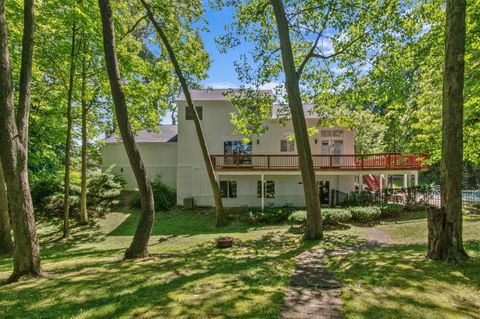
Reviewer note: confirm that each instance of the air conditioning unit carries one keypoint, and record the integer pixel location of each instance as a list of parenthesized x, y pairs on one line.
[(188, 202)]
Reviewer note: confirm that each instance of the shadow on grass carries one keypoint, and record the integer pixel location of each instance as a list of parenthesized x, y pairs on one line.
[(245, 281), (178, 222), (399, 282)]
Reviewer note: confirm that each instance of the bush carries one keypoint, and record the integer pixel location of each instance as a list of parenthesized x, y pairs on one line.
[(335, 216), (330, 216), (392, 210), (365, 214), (363, 198), (103, 190), (271, 215), (298, 217), (165, 196)]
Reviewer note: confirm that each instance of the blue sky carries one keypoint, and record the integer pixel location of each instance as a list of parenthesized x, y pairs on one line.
[(222, 72)]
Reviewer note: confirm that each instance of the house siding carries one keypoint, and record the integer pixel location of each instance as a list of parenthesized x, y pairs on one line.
[(160, 159)]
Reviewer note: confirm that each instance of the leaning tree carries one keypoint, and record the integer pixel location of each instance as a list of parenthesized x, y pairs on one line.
[(184, 21), (139, 246)]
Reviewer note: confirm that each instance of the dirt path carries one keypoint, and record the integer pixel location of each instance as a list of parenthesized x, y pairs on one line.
[(313, 291)]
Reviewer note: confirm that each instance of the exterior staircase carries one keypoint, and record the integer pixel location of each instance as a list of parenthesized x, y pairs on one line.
[(372, 182)]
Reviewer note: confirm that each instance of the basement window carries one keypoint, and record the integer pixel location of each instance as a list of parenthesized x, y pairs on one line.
[(268, 189), (228, 189)]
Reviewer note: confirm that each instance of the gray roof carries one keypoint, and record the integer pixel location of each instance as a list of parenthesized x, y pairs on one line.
[(168, 134), (212, 94), (308, 109)]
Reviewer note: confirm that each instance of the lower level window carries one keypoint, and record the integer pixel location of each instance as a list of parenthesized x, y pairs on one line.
[(268, 189), (228, 189)]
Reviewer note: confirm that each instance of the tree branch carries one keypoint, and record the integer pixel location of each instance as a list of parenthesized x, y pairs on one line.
[(134, 27), (309, 55)]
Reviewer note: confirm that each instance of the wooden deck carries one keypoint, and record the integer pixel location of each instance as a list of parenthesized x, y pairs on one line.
[(384, 161)]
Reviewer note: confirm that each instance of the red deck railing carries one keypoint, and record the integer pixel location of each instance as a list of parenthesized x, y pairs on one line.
[(389, 161)]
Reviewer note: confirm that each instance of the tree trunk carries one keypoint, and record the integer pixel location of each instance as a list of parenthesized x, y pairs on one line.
[(68, 143), (139, 246), (448, 244), (221, 217), (314, 229), (83, 192), (14, 149), (6, 244)]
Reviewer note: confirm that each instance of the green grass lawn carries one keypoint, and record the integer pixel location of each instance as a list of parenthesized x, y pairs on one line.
[(187, 277), (397, 281)]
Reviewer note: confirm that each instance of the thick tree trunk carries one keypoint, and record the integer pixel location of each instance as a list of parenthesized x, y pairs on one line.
[(68, 143), (6, 243), (221, 217), (314, 229), (13, 151), (139, 246), (83, 192), (448, 244)]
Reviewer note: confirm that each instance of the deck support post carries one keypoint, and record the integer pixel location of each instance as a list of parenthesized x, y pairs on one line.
[(380, 179), (360, 183), (387, 181), (415, 179), (405, 180), (262, 181)]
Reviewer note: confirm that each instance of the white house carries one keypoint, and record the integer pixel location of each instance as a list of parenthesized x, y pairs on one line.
[(270, 159)]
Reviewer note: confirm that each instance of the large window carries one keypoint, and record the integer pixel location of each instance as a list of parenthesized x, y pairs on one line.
[(189, 113), (268, 189), (287, 146), (228, 189), (237, 148), (237, 152)]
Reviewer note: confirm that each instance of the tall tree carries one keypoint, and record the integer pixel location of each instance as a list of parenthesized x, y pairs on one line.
[(14, 146), (139, 246), (314, 228), (446, 242), (68, 143), (84, 156), (6, 244), (220, 212)]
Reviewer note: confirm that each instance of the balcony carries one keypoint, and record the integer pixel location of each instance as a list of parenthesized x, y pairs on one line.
[(384, 161)]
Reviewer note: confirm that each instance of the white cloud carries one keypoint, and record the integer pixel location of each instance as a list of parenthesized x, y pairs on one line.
[(222, 85)]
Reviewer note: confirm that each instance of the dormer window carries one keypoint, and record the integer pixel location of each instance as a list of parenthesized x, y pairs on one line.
[(287, 146), (189, 113)]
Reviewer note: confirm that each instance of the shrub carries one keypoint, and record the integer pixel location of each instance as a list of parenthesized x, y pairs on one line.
[(103, 190), (271, 215), (330, 216), (335, 216), (363, 198), (365, 214), (392, 210), (298, 217), (165, 196)]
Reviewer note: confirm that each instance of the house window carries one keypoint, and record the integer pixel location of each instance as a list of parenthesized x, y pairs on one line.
[(287, 146), (337, 133), (228, 189), (189, 113), (268, 189), (237, 148), (326, 133)]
